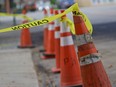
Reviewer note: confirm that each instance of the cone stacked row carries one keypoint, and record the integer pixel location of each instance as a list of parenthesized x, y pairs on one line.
[(84, 69)]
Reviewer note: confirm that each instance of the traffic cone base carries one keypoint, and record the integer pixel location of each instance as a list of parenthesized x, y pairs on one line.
[(26, 46), (25, 39), (73, 86), (56, 70), (48, 54), (70, 62), (68, 85), (50, 47), (45, 39), (76, 86), (47, 57)]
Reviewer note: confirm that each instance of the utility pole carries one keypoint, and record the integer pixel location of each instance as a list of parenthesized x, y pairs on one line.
[(7, 5)]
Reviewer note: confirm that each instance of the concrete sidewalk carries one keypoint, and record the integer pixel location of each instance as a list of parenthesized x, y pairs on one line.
[(17, 69)]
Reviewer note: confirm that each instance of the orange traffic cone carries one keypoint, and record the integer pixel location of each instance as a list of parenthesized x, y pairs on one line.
[(45, 33), (50, 51), (93, 72), (25, 40), (24, 10), (57, 44), (70, 68)]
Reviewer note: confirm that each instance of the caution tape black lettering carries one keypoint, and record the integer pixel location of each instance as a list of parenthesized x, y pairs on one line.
[(32, 24), (74, 8)]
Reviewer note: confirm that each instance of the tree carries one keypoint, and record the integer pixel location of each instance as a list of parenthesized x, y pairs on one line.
[(53, 2)]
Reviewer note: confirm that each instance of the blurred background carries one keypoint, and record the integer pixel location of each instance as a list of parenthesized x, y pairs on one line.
[(33, 5)]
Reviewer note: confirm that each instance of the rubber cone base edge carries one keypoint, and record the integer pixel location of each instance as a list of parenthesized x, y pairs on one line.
[(73, 86), (56, 70), (26, 46), (47, 57), (42, 50)]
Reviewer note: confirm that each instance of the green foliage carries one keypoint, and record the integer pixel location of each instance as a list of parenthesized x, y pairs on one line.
[(53, 1)]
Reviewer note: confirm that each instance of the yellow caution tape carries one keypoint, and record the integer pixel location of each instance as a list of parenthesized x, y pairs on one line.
[(86, 20), (74, 8), (88, 23), (71, 25), (17, 15)]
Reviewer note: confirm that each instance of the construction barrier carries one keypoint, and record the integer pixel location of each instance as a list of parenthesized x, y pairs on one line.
[(46, 20), (90, 67)]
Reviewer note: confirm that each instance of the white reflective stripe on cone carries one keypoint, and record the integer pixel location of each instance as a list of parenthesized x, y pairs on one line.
[(57, 23), (83, 39), (64, 28), (57, 34), (66, 41), (50, 27), (89, 59)]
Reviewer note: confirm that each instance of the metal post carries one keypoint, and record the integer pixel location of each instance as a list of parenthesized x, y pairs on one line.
[(14, 19)]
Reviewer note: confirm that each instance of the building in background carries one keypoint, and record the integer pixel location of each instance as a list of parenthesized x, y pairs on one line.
[(95, 2)]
